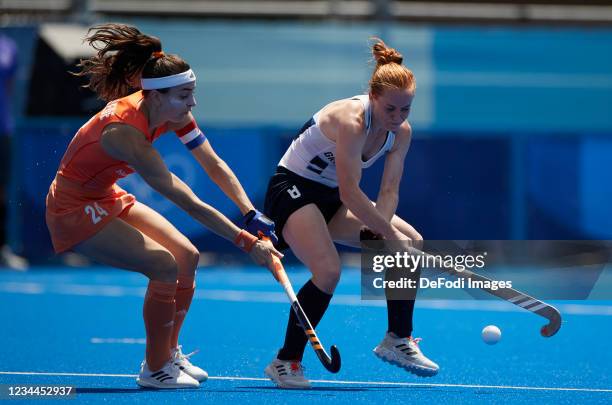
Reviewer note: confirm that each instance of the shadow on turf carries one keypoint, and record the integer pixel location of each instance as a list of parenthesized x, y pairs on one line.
[(414, 388), (331, 389), (135, 390), (271, 389), (238, 389)]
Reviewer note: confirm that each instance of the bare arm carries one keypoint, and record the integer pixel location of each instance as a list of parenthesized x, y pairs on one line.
[(388, 194), (218, 171), (222, 175), (349, 145), (126, 143)]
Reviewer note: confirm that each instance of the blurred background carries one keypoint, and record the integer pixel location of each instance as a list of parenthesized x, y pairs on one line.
[(512, 120)]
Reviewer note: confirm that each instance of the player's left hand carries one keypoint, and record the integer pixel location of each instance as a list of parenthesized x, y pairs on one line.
[(255, 222)]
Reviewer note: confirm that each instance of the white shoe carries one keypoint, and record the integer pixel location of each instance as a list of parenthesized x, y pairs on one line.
[(405, 353), (9, 259), (182, 362), (287, 374), (169, 376)]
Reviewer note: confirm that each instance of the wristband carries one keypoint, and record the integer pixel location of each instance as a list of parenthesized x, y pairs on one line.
[(245, 241), (190, 135)]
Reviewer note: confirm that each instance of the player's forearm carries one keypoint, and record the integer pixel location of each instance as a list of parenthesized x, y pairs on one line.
[(213, 220), (360, 205), (386, 204), (179, 193), (227, 181)]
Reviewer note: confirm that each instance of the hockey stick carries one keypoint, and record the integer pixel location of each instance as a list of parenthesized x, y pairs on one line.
[(517, 298), (511, 295), (332, 363)]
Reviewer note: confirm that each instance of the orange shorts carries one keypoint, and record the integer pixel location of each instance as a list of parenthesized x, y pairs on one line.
[(75, 214)]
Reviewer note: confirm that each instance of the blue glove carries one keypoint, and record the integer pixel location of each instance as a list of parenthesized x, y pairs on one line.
[(255, 222)]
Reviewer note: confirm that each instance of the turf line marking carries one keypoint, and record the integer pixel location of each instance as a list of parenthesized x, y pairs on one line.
[(125, 341), (338, 382), (66, 374), (280, 298)]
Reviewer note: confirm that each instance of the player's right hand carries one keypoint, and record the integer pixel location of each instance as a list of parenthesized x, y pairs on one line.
[(403, 243), (262, 252)]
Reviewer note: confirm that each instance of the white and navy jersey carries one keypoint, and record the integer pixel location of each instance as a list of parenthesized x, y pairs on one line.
[(313, 155)]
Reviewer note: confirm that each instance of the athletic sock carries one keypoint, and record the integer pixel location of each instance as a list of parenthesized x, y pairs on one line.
[(399, 316), (158, 313), (314, 302), (183, 297), (400, 304)]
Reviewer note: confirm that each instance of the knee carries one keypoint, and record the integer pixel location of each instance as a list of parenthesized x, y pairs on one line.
[(190, 257), (194, 255), (326, 274), (162, 266)]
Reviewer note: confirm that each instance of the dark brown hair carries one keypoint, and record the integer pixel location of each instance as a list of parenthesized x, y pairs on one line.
[(389, 71), (124, 55)]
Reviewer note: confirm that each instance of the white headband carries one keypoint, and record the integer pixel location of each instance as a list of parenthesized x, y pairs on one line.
[(168, 81)]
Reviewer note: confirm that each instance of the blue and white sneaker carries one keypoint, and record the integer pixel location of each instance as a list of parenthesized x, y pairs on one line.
[(182, 362), (405, 353)]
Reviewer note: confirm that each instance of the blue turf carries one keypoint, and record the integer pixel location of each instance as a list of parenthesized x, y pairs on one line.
[(51, 315)]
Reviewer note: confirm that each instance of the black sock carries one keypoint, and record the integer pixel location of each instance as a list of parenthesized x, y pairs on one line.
[(399, 315), (400, 311), (314, 302)]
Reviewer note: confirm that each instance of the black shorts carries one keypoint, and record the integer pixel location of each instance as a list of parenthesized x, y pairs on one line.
[(287, 192)]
